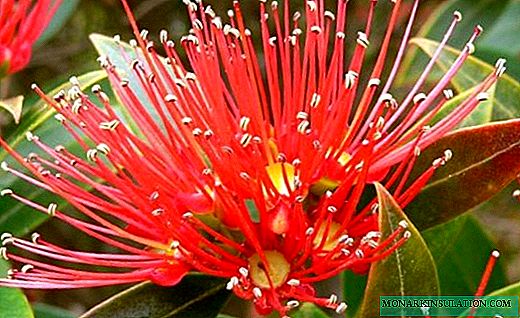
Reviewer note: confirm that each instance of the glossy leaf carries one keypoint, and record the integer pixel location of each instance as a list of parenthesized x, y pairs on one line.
[(107, 46), (353, 291), (408, 271), (308, 310), (196, 296), (14, 106), (511, 290), (485, 160), (492, 15), (461, 249), (14, 217), (66, 9), (47, 311), (504, 97), (13, 303)]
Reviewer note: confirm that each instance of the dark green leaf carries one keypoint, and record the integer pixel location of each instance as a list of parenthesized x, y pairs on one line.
[(504, 96), (196, 296), (461, 249), (485, 160), (13, 303), (353, 290), (308, 310), (408, 271), (14, 217), (47, 311), (61, 16)]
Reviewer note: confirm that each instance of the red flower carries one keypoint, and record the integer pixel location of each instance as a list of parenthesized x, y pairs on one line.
[(237, 171), (23, 21)]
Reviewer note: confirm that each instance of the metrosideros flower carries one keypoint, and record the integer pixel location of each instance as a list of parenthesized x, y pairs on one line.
[(244, 164), (23, 21)]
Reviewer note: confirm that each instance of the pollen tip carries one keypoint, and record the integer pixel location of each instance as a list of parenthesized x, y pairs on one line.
[(516, 193), (4, 166), (34, 86), (3, 253), (403, 224), (457, 15), (407, 234), (6, 192), (495, 254), (341, 308)]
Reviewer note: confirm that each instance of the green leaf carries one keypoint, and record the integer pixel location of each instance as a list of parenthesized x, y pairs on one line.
[(409, 271), (308, 310), (47, 311), (504, 96), (107, 46), (485, 160), (14, 106), (496, 17), (353, 290), (66, 9), (461, 249), (511, 290), (13, 303), (16, 218), (196, 296)]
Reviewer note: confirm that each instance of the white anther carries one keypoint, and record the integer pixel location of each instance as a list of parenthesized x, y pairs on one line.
[(448, 93), (309, 231), (293, 282), (274, 5), (403, 224), (245, 140), (362, 39), (296, 16), (495, 254), (186, 120), (51, 209), (6, 192), (316, 29), (103, 148), (330, 15), (243, 271), (244, 122), (302, 116), (197, 132), (257, 292), (419, 98), (92, 154), (3, 253), (448, 154), (175, 245), (157, 212), (340, 35), (297, 32), (471, 48), (26, 268), (190, 76), (187, 215), (457, 15), (483, 96), (341, 308), (359, 253), (332, 299), (144, 34), (312, 5), (232, 283), (197, 24), (5, 166), (30, 136), (302, 127), (5, 236), (315, 100), (169, 98), (350, 79), (374, 82), (343, 238), (35, 237), (407, 234), (109, 125), (293, 304), (332, 209)]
